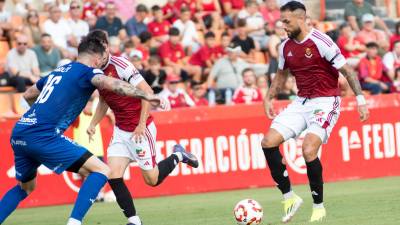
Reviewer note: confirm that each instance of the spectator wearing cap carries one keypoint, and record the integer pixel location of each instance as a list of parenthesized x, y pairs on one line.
[(350, 45), (136, 25), (110, 22), (248, 92), (198, 94), (370, 34), (208, 54), (79, 27), (159, 27), (371, 71), (177, 97), (155, 76), (22, 65), (231, 9), (174, 58), (396, 36), (93, 8), (136, 57), (391, 60), (354, 12), (48, 55), (187, 28)]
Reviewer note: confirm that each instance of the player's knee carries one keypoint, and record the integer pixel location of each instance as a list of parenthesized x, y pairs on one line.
[(28, 187), (268, 142), (151, 180), (309, 153)]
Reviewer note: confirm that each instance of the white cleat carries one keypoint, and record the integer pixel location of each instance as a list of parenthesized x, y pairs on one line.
[(290, 207)]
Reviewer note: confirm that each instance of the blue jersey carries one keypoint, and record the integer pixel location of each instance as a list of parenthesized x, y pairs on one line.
[(64, 94)]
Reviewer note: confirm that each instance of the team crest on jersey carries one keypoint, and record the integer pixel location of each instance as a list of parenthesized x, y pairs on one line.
[(308, 53), (140, 152)]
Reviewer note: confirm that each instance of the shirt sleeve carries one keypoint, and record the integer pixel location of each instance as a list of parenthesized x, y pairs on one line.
[(86, 81), (130, 74), (281, 57), (40, 84), (329, 50), (388, 61)]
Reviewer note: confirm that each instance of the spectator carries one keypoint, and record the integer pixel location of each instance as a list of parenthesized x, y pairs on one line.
[(22, 65), (128, 47), (247, 93), (262, 84), (159, 27), (278, 35), (155, 76), (391, 60), (209, 13), (351, 46), (59, 30), (287, 93), (226, 74), (225, 41), (135, 25), (396, 36), (145, 44), (269, 9), (371, 71), (22, 7), (115, 46), (231, 9), (65, 5), (173, 57), (93, 8), (170, 11), (79, 28), (135, 57), (5, 22), (354, 12), (198, 94), (254, 24), (191, 5), (208, 54), (370, 34), (187, 28), (110, 22), (177, 97), (48, 56), (32, 28)]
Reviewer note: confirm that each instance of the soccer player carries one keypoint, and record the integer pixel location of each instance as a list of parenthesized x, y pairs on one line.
[(134, 136), (315, 61), (37, 137)]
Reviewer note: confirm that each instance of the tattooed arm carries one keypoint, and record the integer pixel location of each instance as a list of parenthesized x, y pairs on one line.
[(276, 86), (354, 83), (123, 88), (31, 95)]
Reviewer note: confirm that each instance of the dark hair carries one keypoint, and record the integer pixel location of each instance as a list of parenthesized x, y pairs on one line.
[(397, 28), (99, 35), (145, 36), (225, 34), (90, 45), (141, 8), (343, 25), (250, 2), (44, 34), (194, 83), (155, 8), (173, 31), (241, 23), (154, 59), (247, 70), (129, 44), (209, 34), (372, 45), (292, 6), (184, 9)]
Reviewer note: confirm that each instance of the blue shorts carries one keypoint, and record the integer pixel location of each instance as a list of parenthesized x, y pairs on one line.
[(57, 153)]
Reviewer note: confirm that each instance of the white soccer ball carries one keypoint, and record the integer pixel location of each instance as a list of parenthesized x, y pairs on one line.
[(248, 212)]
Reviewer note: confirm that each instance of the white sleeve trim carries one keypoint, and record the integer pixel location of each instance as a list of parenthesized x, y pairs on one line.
[(281, 57)]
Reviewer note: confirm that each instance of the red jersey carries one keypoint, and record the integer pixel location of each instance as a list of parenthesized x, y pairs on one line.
[(372, 68), (236, 4), (126, 109), (208, 7), (206, 53), (158, 28), (343, 41), (247, 95), (191, 4), (172, 52), (199, 101), (145, 51), (314, 62), (96, 10), (168, 8), (177, 99)]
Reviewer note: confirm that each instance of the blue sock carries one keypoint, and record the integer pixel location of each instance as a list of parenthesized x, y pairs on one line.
[(10, 201), (87, 195)]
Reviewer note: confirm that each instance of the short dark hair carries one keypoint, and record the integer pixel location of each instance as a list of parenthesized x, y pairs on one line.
[(44, 34), (90, 45), (247, 70), (154, 59), (129, 44), (225, 34), (98, 34), (173, 31), (343, 25), (292, 6), (241, 23), (184, 9), (141, 8), (155, 8), (372, 45), (209, 34), (145, 36)]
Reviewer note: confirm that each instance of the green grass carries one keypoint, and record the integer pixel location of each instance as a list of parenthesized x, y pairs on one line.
[(366, 202)]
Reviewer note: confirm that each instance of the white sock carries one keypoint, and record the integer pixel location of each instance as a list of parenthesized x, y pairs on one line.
[(288, 195), (179, 154), (135, 220), (320, 205), (73, 221)]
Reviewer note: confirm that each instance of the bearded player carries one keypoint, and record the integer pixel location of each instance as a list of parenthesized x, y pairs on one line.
[(134, 134), (315, 61)]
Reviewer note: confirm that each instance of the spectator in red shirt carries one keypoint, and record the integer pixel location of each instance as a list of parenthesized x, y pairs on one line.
[(396, 36), (190, 4), (231, 9), (371, 71), (351, 46), (170, 11), (93, 8), (248, 93), (158, 27), (177, 97), (174, 59), (198, 94), (270, 11), (370, 34)]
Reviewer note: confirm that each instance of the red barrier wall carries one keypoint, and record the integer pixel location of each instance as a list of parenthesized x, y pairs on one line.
[(227, 139)]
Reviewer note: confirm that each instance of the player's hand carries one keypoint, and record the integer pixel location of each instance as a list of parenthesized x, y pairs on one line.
[(364, 112), (138, 133), (164, 105), (269, 109), (91, 130)]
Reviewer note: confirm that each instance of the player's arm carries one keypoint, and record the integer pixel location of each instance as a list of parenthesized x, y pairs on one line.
[(123, 88), (31, 95), (139, 131), (101, 111), (276, 86)]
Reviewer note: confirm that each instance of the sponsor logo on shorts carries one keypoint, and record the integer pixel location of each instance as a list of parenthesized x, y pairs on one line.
[(18, 142), (140, 152)]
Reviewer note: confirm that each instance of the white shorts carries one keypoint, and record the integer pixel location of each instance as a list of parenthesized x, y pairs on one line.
[(316, 115), (143, 153)]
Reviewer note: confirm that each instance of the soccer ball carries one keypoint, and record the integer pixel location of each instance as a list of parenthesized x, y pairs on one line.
[(248, 212)]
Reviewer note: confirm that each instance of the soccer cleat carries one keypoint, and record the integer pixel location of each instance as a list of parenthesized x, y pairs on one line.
[(318, 214), (187, 157), (290, 207)]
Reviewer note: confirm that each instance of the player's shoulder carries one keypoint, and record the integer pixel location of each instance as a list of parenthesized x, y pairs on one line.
[(120, 62), (321, 39)]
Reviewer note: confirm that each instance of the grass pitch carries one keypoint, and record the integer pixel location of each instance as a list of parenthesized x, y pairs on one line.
[(366, 202)]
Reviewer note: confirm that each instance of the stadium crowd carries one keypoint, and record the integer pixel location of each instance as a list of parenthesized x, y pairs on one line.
[(193, 52)]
